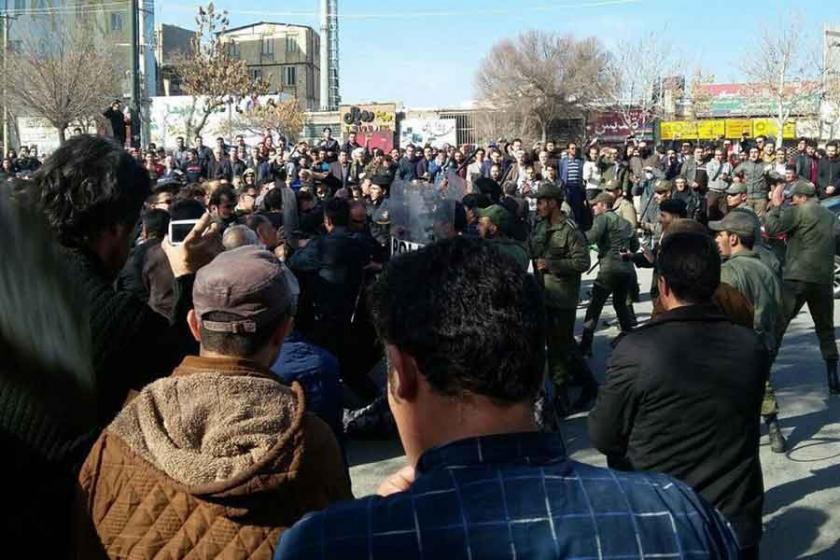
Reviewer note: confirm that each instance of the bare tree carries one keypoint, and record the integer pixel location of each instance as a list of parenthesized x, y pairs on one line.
[(210, 74), (283, 117), (638, 71), (68, 80), (541, 77), (783, 72)]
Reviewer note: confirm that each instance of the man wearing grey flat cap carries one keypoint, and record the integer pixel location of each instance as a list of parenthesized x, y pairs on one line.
[(221, 439)]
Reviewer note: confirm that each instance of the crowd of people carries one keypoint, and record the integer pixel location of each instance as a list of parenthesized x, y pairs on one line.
[(210, 378)]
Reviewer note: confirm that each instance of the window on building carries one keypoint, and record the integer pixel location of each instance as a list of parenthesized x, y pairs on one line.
[(233, 50), (289, 76), (267, 47), (291, 44), (256, 74), (116, 21), (20, 5)]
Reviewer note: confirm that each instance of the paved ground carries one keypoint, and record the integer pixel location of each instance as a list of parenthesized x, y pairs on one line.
[(802, 499)]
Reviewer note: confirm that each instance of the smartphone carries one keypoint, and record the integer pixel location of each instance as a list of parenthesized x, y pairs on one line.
[(179, 229)]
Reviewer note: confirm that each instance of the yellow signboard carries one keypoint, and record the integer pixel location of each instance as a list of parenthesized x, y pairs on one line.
[(736, 127), (767, 127), (711, 129), (678, 130)]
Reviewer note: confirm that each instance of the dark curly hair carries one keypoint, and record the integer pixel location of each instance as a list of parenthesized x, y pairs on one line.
[(88, 185), (470, 317)]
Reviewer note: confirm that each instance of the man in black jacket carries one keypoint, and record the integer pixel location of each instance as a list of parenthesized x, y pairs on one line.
[(91, 192), (330, 269), (828, 172), (115, 116), (683, 393)]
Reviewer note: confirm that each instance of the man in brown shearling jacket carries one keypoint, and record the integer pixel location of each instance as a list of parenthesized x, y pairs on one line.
[(216, 460)]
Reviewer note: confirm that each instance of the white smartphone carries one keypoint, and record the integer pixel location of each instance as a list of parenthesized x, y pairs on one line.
[(179, 229)]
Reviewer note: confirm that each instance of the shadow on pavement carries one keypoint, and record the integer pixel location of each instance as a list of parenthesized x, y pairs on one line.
[(808, 522), (783, 495)]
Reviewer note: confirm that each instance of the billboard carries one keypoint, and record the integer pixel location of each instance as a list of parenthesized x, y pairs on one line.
[(435, 132), (612, 127), (373, 121), (750, 100), (710, 129)]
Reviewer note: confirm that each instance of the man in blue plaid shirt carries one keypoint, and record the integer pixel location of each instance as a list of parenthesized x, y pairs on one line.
[(464, 329)]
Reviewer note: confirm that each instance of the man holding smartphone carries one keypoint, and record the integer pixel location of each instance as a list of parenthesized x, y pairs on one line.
[(131, 343)]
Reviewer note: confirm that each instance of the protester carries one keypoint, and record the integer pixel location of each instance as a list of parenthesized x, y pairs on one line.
[(48, 389), (183, 443), (461, 387), (95, 228), (683, 393)]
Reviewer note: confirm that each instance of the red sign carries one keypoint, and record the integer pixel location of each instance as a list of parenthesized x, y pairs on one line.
[(613, 127)]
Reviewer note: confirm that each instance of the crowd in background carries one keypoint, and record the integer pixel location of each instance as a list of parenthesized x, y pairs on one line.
[(205, 351)]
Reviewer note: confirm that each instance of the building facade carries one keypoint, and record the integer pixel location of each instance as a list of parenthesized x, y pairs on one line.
[(109, 23), (172, 43), (284, 55)]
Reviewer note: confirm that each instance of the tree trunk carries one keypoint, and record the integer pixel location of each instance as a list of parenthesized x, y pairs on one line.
[(200, 126), (189, 132), (61, 134)]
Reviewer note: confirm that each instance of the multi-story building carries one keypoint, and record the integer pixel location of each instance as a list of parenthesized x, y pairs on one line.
[(172, 44), (284, 55), (109, 23)]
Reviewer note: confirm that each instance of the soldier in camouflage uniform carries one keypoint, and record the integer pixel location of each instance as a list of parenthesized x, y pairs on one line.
[(743, 269), (613, 237), (560, 257)]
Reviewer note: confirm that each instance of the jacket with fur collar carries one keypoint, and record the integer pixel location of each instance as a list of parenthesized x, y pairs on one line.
[(215, 460)]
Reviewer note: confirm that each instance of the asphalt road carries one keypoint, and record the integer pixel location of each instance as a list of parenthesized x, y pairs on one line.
[(802, 486)]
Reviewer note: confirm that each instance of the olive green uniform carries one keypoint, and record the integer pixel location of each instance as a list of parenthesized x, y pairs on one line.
[(745, 272), (612, 235), (809, 266), (514, 249), (564, 248)]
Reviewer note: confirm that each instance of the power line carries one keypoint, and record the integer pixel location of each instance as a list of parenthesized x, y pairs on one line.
[(401, 14), (76, 8)]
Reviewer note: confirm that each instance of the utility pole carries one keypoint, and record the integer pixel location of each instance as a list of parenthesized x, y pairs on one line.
[(134, 109), (6, 21)]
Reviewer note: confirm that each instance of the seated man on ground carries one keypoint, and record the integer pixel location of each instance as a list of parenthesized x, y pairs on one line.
[(220, 457), (482, 482)]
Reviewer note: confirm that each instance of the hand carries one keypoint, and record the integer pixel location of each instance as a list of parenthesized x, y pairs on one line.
[(829, 189), (281, 252), (777, 197), (648, 254), (400, 481), (542, 264), (201, 246)]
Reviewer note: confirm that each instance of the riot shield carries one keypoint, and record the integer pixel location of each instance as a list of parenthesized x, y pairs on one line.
[(421, 213)]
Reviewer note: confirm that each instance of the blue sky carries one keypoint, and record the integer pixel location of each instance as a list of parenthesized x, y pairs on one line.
[(425, 54)]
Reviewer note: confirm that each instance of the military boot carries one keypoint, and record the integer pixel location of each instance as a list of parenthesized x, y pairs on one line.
[(774, 434), (833, 381)]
